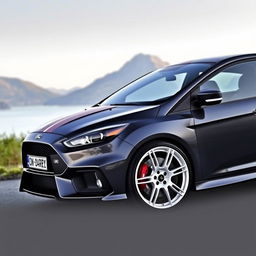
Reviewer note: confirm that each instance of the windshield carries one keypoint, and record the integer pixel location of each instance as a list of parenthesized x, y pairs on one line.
[(158, 85)]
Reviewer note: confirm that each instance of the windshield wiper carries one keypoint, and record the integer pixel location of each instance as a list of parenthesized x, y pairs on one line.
[(126, 104)]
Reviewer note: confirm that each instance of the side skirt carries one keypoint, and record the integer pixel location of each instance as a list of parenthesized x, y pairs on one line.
[(225, 181)]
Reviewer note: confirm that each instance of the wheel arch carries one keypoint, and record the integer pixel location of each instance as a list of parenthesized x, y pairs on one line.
[(175, 140)]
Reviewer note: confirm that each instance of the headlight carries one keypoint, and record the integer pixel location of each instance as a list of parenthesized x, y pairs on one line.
[(95, 136)]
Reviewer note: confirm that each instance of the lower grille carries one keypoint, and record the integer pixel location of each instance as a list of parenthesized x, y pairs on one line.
[(85, 183), (55, 164), (38, 184)]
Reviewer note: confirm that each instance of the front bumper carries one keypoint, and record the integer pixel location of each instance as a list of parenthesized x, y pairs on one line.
[(98, 172)]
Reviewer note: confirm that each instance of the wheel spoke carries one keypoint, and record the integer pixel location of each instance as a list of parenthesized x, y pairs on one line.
[(175, 171), (157, 193), (154, 195), (144, 180), (153, 158), (166, 191), (168, 158), (176, 189)]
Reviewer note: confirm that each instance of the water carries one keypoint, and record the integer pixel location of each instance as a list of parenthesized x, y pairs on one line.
[(26, 119)]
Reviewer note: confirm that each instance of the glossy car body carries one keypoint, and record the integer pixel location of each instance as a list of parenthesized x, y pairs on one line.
[(218, 139)]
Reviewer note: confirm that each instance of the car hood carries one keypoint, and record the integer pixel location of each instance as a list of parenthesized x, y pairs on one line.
[(97, 115)]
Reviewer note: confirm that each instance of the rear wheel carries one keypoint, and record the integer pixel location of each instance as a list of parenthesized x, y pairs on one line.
[(160, 175)]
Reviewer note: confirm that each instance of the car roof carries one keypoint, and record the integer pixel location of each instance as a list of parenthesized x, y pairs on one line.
[(221, 59)]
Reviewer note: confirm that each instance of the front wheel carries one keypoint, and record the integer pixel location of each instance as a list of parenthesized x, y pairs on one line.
[(160, 175)]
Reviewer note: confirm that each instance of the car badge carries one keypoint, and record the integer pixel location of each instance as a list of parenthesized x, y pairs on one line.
[(38, 136)]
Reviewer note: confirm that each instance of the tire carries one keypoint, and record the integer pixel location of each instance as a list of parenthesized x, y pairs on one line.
[(159, 175)]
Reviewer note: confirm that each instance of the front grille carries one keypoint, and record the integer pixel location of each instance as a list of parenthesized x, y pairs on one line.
[(55, 164)]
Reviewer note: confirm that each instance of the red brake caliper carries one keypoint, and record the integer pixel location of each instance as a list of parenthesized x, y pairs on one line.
[(142, 173)]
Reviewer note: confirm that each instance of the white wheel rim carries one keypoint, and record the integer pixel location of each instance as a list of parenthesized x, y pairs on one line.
[(160, 181)]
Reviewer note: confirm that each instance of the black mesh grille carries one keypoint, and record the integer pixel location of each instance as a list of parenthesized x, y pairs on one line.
[(55, 164), (44, 185)]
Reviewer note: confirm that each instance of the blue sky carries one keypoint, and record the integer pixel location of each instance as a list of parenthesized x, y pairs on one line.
[(67, 43)]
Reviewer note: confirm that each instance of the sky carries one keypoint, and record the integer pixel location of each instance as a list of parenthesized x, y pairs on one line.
[(69, 43)]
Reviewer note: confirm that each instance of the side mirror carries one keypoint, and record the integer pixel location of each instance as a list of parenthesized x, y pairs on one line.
[(209, 97)]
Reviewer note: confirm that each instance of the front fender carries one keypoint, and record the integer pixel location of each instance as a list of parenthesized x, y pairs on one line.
[(175, 128)]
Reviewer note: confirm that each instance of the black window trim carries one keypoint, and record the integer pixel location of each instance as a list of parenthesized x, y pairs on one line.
[(194, 90)]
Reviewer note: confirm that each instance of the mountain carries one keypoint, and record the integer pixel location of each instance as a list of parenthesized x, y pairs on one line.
[(57, 90), (17, 92), (139, 65)]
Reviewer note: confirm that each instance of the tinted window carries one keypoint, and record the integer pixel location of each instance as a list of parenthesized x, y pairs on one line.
[(158, 85), (236, 82)]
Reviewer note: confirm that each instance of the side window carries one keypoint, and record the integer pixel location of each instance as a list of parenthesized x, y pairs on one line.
[(235, 83)]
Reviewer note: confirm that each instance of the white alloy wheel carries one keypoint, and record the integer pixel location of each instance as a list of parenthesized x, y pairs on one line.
[(162, 177)]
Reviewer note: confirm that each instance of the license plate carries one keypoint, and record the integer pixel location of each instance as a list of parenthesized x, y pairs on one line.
[(37, 162)]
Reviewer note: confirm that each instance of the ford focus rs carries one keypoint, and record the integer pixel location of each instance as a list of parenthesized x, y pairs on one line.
[(186, 126)]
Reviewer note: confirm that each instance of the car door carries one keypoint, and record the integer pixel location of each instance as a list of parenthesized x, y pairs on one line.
[(226, 132)]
